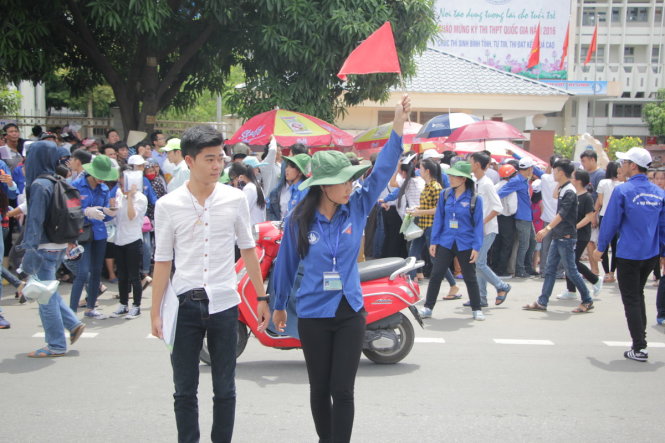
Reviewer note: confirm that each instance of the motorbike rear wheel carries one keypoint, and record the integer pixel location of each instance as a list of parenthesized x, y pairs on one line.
[(405, 338), (243, 336)]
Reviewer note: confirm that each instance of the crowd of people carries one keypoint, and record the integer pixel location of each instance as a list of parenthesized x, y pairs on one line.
[(152, 212)]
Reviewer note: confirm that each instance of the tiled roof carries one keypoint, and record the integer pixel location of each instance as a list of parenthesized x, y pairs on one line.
[(441, 72)]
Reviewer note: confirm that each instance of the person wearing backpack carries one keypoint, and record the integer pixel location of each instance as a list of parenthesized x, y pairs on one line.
[(457, 232), (44, 254), (98, 209)]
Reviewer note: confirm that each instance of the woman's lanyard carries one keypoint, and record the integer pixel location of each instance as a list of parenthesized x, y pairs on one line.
[(329, 245), (332, 281), (454, 224)]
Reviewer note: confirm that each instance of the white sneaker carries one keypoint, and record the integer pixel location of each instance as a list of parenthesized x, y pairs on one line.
[(122, 310), (567, 296), (96, 315), (597, 287), (425, 312), (133, 313), (478, 315)]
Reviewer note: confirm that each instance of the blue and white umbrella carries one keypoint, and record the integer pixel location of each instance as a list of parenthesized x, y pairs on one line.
[(442, 125)]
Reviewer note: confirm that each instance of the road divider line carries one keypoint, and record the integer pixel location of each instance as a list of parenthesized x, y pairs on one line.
[(510, 341), (429, 340), (627, 344), (84, 335)]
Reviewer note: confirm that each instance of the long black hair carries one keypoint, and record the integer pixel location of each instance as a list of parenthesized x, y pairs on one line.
[(612, 170), (302, 218), (410, 170), (238, 169), (434, 169)]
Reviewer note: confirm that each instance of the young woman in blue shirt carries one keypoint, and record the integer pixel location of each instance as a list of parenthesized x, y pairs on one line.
[(457, 232), (322, 238)]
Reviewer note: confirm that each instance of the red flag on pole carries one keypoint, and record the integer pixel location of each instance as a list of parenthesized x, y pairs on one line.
[(376, 54), (564, 53), (592, 46), (534, 57)]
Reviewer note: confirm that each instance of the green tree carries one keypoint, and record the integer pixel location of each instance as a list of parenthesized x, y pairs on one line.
[(59, 95), (565, 145), (156, 54), (10, 101), (653, 115), (622, 144)]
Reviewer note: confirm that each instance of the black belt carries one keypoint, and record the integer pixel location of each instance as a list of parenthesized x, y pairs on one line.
[(197, 294)]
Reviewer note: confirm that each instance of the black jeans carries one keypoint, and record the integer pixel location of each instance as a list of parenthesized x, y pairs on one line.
[(660, 299), (222, 330), (128, 264), (607, 266), (632, 276), (332, 349), (442, 260), (580, 246), (504, 243)]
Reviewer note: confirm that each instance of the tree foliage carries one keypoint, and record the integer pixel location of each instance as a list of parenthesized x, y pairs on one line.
[(59, 95), (10, 101), (654, 115), (622, 144), (565, 145), (156, 54)]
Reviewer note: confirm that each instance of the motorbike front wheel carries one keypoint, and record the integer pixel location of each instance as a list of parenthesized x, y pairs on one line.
[(402, 337), (243, 336)]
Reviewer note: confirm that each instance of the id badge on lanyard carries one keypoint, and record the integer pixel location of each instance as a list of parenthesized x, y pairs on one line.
[(332, 280)]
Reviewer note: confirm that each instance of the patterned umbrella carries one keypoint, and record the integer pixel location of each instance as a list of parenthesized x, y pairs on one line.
[(485, 130), (443, 125), (289, 128), (375, 138), (498, 148)]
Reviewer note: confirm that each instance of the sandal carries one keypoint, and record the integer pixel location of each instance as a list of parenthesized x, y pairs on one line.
[(452, 297), (583, 308), (501, 298), (609, 279), (44, 353), (535, 306)]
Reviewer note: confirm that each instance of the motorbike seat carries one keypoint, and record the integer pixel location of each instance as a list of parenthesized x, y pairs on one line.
[(379, 268)]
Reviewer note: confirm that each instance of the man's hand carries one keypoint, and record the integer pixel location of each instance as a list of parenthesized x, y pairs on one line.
[(94, 213), (541, 235), (279, 319), (474, 256), (402, 111), (156, 324), (263, 314), (432, 250), (597, 255)]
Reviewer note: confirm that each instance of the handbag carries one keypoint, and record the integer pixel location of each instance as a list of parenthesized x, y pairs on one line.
[(410, 229), (86, 234), (147, 225)]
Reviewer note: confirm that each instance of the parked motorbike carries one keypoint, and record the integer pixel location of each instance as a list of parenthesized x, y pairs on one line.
[(387, 290)]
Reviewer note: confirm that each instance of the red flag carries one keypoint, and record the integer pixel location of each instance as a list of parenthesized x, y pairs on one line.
[(534, 57), (564, 53), (592, 46), (376, 54)]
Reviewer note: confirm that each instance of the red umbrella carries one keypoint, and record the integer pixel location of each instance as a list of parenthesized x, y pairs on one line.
[(498, 148), (485, 130), (290, 127)]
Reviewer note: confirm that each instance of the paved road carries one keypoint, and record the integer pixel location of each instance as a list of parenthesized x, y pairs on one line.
[(519, 376)]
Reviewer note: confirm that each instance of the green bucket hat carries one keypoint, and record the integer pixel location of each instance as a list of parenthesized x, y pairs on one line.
[(332, 168), (302, 162), (224, 178), (101, 168), (460, 169)]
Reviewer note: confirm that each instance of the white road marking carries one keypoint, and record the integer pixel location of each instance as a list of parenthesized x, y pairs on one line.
[(510, 341), (429, 340), (84, 335), (627, 344)]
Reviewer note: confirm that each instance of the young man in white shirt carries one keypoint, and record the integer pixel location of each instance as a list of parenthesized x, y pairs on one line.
[(547, 187), (491, 208), (197, 225), (180, 170)]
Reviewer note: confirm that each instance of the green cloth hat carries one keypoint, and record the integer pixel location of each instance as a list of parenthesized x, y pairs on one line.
[(461, 168), (224, 178), (171, 145), (332, 168), (302, 162), (101, 168)]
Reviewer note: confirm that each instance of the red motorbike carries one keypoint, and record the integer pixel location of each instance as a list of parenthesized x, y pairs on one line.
[(387, 290)]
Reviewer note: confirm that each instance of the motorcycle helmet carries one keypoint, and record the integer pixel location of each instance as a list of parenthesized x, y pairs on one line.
[(506, 171)]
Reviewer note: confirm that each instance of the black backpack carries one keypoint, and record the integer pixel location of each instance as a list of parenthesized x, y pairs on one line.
[(64, 219)]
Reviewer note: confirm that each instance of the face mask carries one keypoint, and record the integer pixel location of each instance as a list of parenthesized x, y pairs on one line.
[(151, 175)]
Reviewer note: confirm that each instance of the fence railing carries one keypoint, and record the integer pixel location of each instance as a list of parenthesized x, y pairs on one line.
[(177, 127)]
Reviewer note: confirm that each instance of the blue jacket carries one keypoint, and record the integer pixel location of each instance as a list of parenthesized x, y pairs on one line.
[(19, 178), (148, 191), (42, 158), (273, 208), (94, 197), (520, 185), (9, 192), (469, 233), (636, 211), (347, 224)]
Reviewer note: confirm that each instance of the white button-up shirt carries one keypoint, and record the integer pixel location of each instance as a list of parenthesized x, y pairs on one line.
[(201, 241), (128, 231)]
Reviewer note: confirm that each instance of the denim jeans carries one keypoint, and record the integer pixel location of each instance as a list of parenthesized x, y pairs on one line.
[(56, 316), (417, 245), (525, 237), (147, 253), (562, 249), (484, 273), (222, 328), (90, 270)]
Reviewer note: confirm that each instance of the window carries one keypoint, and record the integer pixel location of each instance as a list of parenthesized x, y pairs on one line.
[(629, 54), (424, 117), (616, 15), (599, 108), (589, 17), (655, 54), (658, 15), (386, 117), (597, 57), (636, 15), (627, 110)]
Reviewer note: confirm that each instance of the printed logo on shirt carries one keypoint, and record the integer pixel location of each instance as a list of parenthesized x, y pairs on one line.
[(464, 204), (313, 237), (348, 229)]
